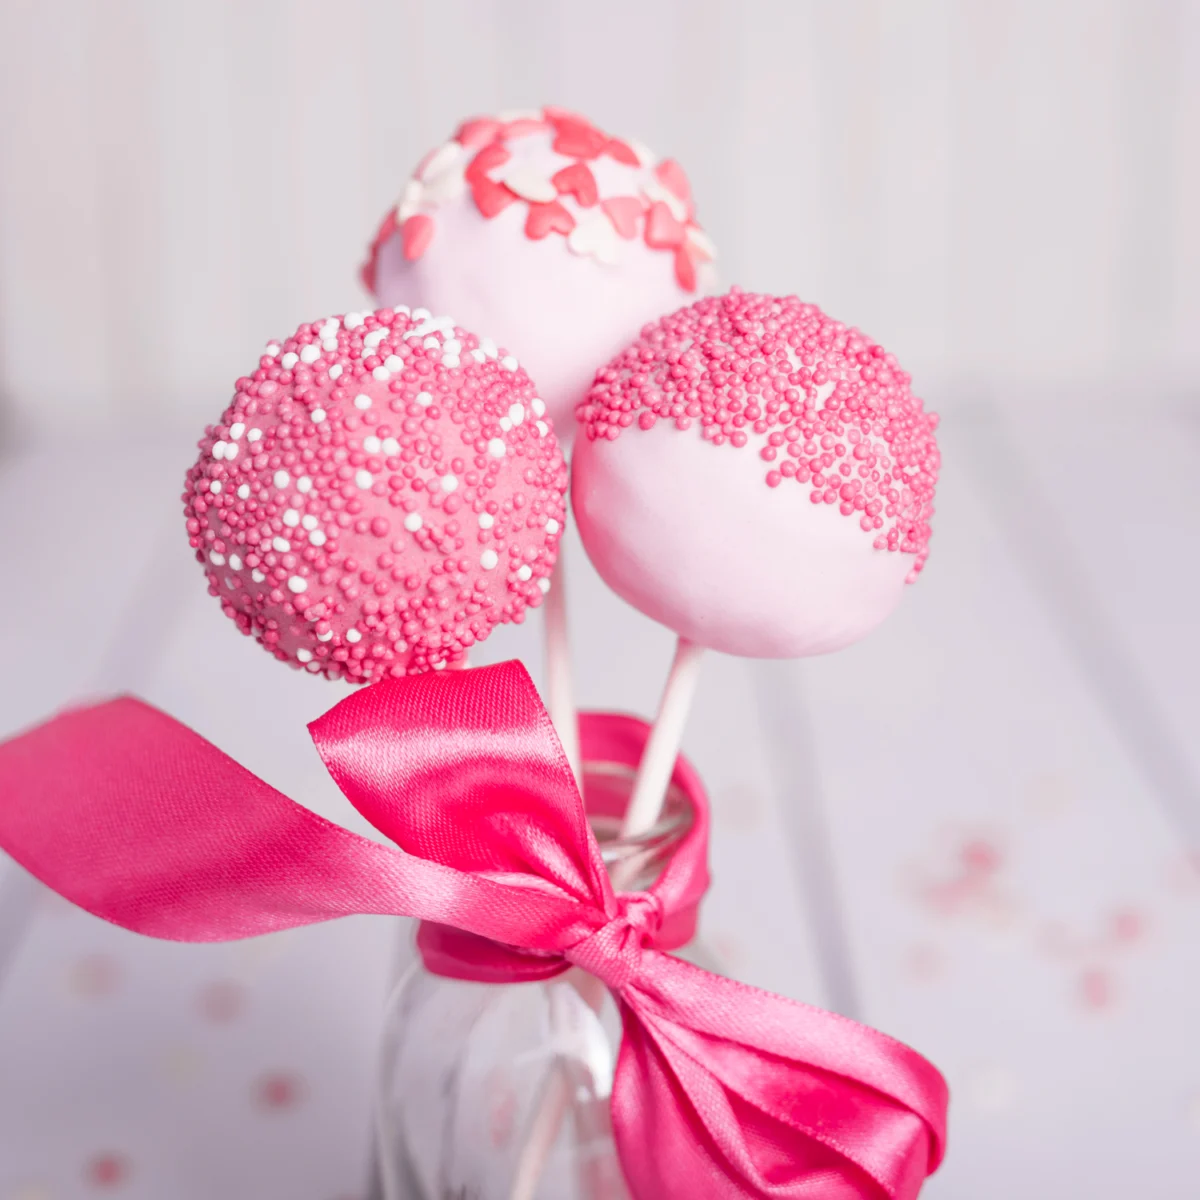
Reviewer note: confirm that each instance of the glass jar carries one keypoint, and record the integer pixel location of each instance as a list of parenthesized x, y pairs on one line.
[(483, 1084)]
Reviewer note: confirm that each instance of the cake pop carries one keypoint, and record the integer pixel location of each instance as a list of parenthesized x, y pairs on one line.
[(757, 477), (546, 233), (380, 493)]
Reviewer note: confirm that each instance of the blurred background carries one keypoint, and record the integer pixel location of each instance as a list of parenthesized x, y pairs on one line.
[(1005, 195)]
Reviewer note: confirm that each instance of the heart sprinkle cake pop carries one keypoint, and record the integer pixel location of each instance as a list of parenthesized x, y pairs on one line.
[(756, 476), (559, 240), (380, 493)]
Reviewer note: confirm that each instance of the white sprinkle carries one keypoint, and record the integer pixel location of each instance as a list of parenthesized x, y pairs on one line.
[(516, 414), (230, 582), (327, 636), (539, 406), (394, 363), (391, 446), (372, 445), (488, 559), (552, 526), (318, 415), (449, 483), (335, 372), (544, 584), (235, 562), (244, 492), (352, 320), (361, 401), (297, 583), (509, 363), (452, 346), (281, 544), (272, 348), (282, 478), (353, 635), (313, 668), (257, 576), (309, 521), (450, 361), (402, 308), (329, 345), (497, 448), (421, 314), (430, 343), (382, 374), (363, 479), (291, 517), (424, 399), (304, 484), (316, 538), (478, 355), (489, 347), (218, 450), (303, 655), (542, 428), (217, 560), (215, 486), (505, 424), (374, 338), (231, 451), (254, 435), (289, 360), (525, 573), (486, 520), (330, 327), (413, 522), (310, 353), (236, 430)]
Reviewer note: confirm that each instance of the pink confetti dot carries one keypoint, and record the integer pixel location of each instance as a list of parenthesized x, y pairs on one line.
[(222, 1001), (279, 1091), (108, 1170), (95, 975)]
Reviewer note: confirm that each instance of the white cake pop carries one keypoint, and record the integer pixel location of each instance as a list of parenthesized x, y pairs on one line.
[(756, 476), (556, 239)]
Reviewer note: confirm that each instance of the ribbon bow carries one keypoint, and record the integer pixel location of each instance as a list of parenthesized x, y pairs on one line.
[(721, 1090)]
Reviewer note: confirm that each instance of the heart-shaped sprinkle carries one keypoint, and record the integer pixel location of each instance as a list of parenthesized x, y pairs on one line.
[(671, 174), (685, 268), (622, 152), (529, 183), (548, 218), (624, 212), (416, 233), (594, 237), (523, 126), (663, 230), (477, 132), (440, 160), (577, 180), (490, 197), (488, 159), (701, 243)]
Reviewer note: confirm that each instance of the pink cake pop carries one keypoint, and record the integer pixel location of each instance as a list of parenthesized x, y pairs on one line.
[(756, 476), (380, 493), (546, 233)]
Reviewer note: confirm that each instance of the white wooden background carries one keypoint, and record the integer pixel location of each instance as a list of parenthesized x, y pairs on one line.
[(988, 188)]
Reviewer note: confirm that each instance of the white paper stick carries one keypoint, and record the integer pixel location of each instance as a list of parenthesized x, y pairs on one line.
[(658, 759), (560, 691)]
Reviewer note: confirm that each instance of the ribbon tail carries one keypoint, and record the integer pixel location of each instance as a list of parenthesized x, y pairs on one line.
[(139, 820), (744, 1094)]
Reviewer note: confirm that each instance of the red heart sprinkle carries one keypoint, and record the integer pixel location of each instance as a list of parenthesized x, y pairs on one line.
[(477, 132), (615, 148), (521, 126), (417, 233), (491, 197), (577, 180), (548, 218), (685, 269), (488, 159), (624, 212), (670, 175), (663, 231)]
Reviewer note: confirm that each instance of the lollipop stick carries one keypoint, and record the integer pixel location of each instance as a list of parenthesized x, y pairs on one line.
[(658, 759), (560, 693)]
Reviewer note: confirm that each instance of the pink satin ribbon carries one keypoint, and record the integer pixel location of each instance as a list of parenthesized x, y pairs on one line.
[(721, 1090)]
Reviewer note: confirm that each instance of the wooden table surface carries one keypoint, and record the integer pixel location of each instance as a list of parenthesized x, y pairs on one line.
[(1009, 880)]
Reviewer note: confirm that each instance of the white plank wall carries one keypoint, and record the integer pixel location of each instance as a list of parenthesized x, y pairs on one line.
[(990, 189)]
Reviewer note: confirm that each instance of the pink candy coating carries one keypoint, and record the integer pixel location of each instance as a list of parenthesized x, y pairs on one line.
[(381, 492), (756, 476), (549, 235)]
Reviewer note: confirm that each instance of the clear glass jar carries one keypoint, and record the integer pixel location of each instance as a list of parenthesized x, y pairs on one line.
[(484, 1084)]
